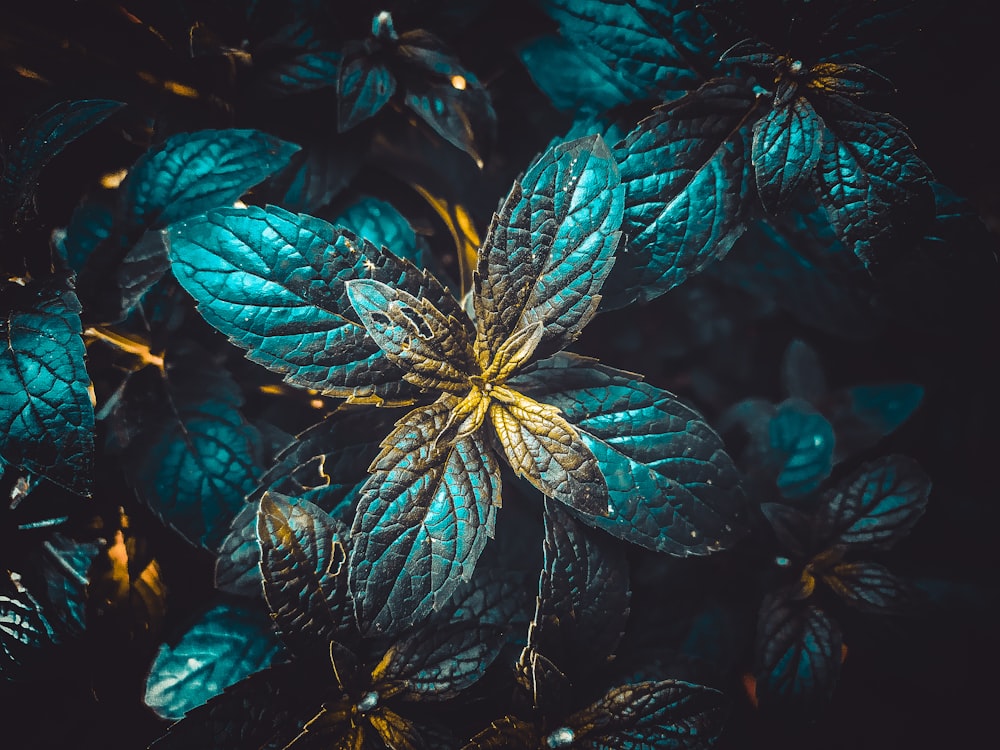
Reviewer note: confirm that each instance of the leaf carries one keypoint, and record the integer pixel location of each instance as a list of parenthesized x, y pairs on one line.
[(439, 663), (42, 139), (193, 457), (305, 581), (876, 506), (662, 47), (550, 247), (446, 95), (574, 78), (868, 165), (23, 626), (326, 465), (190, 173), (791, 526), (274, 282), (382, 225), (667, 713), (864, 414), (870, 587), (422, 521), (685, 177), (433, 350), (226, 644), (316, 174), (802, 374), (787, 143), (508, 732), (301, 69), (46, 414), (798, 653), (583, 596), (546, 450), (672, 486), (364, 86), (89, 226), (803, 441), (65, 563)]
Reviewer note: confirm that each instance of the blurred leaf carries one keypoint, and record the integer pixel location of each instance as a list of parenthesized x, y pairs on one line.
[(673, 488), (382, 225), (89, 226), (870, 587), (802, 374), (226, 644), (65, 563), (46, 413), (316, 174), (864, 414), (803, 441), (876, 506)]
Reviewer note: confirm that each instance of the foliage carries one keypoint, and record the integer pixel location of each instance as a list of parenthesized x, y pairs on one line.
[(329, 328)]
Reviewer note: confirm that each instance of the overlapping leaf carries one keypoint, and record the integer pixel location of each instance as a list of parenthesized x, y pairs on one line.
[(870, 587), (787, 143), (274, 282), (382, 225), (804, 441), (422, 521), (23, 626), (686, 181), (46, 415), (65, 563), (228, 643), (672, 486)]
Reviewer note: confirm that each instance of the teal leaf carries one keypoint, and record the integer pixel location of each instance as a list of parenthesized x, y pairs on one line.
[(876, 506), (325, 465), (46, 415), (686, 182), (802, 440), (89, 226), (574, 78), (673, 488), (274, 282), (382, 225), (662, 714), (23, 626), (868, 169), (193, 457), (583, 596), (303, 555), (870, 587), (226, 644), (864, 414), (662, 48), (422, 521), (798, 653), (550, 247), (66, 563), (316, 174), (364, 86), (42, 139), (786, 147)]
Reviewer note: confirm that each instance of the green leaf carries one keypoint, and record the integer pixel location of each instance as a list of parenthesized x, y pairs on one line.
[(226, 644), (686, 182), (422, 521), (550, 247), (672, 486), (787, 143), (46, 415), (876, 506), (305, 583), (275, 283)]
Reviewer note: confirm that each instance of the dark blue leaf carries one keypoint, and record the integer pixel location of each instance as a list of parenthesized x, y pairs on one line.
[(685, 177), (316, 174), (868, 167), (46, 413), (226, 644), (23, 626), (550, 248), (798, 654), (326, 465), (583, 596), (876, 506), (89, 226), (43, 138), (364, 86), (786, 146), (303, 556), (446, 95), (422, 522), (870, 587), (663, 48), (574, 78), (65, 564), (801, 373), (803, 442), (664, 714), (864, 414), (193, 458), (673, 488), (382, 225), (274, 282)]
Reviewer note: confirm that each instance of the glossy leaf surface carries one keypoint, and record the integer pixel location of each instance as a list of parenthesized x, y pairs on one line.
[(46, 415), (787, 143), (364, 86), (228, 643), (803, 440)]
